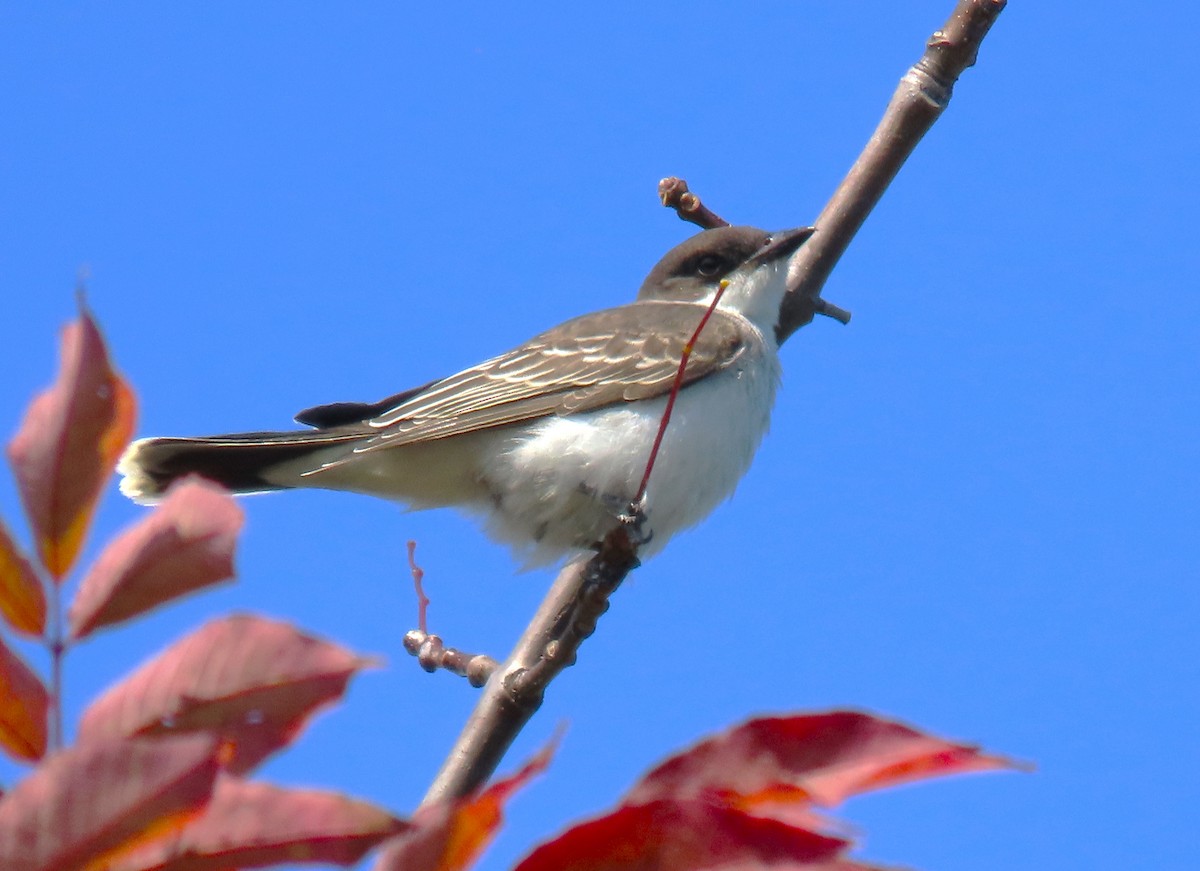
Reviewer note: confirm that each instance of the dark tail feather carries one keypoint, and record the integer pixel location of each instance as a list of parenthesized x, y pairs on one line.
[(236, 462)]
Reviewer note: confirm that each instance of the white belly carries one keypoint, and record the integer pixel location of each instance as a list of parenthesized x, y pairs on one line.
[(551, 490)]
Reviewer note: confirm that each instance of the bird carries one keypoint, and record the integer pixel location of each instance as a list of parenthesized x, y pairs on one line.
[(548, 443)]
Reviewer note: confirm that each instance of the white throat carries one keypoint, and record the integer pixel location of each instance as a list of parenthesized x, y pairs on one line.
[(756, 295)]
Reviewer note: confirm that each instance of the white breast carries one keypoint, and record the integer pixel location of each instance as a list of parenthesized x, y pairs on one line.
[(554, 487)]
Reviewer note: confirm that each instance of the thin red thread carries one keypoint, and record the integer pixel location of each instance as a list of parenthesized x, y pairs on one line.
[(418, 575), (675, 388)]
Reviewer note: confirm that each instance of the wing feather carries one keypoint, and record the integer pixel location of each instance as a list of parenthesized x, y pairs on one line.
[(592, 361)]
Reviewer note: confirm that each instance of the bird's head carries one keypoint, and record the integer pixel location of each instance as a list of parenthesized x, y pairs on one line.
[(752, 261)]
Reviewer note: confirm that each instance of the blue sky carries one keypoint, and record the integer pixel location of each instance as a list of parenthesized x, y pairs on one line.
[(977, 507)]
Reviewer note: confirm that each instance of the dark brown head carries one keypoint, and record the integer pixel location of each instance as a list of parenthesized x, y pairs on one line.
[(753, 262), (692, 270)]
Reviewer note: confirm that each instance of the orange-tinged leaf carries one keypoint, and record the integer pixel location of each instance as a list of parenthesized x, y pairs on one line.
[(684, 835), (186, 544), (69, 443), (24, 704), (450, 835), (94, 800), (163, 828), (256, 825), (822, 758), (22, 599), (477, 819), (255, 680)]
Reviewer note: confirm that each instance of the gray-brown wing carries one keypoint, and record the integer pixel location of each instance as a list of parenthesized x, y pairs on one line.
[(602, 358)]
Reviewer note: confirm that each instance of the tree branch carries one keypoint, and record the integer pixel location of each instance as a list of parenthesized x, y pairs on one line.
[(549, 644), (922, 95)]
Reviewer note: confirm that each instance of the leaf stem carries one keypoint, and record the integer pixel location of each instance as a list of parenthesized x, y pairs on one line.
[(58, 649)]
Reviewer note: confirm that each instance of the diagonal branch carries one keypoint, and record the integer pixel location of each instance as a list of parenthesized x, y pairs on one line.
[(922, 95), (580, 592), (549, 643)]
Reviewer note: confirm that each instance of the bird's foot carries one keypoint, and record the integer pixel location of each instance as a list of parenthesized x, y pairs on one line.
[(632, 516)]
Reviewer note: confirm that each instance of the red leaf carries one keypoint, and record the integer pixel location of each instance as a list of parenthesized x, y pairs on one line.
[(99, 798), (823, 758), (256, 680), (23, 706), (450, 835), (185, 545), (69, 442), (22, 599), (684, 835), (254, 825)]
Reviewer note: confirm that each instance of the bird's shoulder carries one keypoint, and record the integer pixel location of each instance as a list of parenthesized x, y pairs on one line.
[(656, 330)]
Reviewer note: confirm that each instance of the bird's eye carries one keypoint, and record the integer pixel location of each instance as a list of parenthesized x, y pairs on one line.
[(709, 265)]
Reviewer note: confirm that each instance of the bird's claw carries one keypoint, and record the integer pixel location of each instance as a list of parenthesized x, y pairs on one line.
[(630, 515), (633, 518)]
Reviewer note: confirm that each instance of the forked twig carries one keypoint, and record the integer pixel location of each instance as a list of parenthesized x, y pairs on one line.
[(512, 696), (674, 194), (433, 655)]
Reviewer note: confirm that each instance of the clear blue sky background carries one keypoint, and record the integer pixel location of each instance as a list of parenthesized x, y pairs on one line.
[(977, 507)]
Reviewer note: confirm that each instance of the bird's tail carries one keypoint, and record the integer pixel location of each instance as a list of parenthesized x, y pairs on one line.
[(242, 463)]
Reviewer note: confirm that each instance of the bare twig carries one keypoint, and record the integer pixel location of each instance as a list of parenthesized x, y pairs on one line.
[(549, 643), (674, 194), (433, 655), (919, 100), (418, 577), (431, 652), (58, 650)]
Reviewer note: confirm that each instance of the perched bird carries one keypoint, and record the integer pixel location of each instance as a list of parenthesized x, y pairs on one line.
[(548, 442)]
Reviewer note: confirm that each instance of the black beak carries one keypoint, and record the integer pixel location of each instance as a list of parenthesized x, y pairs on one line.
[(781, 245)]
